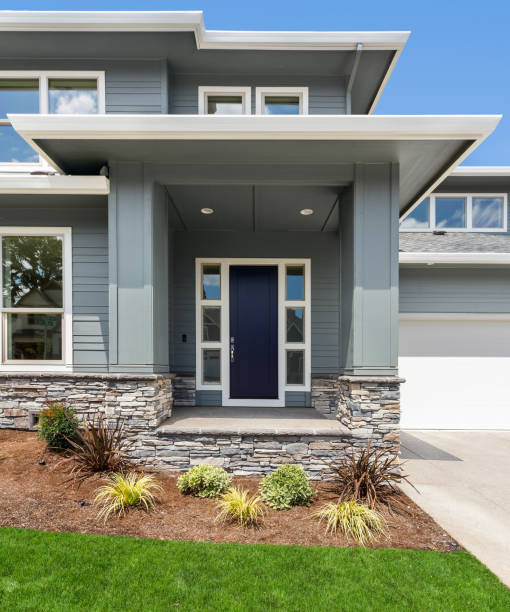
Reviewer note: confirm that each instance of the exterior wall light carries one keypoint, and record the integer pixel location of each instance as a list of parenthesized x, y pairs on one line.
[(207, 211), (306, 212)]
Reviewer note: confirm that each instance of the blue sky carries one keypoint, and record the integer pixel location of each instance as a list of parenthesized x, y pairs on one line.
[(456, 61)]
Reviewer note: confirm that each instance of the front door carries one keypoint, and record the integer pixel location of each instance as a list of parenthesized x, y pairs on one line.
[(253, 332)]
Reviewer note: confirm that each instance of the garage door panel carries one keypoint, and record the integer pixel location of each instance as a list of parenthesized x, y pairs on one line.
[(457, 374)]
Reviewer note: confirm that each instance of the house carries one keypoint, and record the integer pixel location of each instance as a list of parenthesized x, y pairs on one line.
[(226, 212)]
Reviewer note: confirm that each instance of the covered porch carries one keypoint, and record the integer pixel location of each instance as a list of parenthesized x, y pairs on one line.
[(250, 207)]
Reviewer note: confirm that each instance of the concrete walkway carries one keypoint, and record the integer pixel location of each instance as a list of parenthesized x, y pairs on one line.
[(464, 483)]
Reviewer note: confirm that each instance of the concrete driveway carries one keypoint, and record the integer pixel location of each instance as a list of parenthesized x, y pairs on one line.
[(464, 482)]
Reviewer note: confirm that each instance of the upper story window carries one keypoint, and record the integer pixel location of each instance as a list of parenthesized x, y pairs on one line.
[(224, 100), (49, 92), (471, 212), (282, 101)]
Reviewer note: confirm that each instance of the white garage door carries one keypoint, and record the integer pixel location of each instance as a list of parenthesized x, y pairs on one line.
[(457, 371)]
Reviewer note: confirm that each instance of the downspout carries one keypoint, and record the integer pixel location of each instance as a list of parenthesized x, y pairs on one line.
[(352, 78)]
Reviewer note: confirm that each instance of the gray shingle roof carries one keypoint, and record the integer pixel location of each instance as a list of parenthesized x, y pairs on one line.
[(469, 242)]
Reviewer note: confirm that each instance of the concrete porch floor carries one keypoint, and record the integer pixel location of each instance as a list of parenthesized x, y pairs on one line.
[(240, 420)]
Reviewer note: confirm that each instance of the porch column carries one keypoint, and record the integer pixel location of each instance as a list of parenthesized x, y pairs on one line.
[(138, 271), (369, 271), (369, 390)]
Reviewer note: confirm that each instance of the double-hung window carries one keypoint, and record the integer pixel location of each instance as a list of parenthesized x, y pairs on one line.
[(36, 323), (49, 92), (460, 212)]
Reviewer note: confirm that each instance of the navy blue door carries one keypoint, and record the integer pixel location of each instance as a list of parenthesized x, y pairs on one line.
[(253, 332)]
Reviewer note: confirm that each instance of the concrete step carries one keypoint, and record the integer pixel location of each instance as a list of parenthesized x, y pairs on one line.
[(245, 420)]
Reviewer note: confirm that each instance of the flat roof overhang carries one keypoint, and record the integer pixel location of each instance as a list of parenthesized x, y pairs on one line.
[(193, 21), (54, 185), (427, 148)]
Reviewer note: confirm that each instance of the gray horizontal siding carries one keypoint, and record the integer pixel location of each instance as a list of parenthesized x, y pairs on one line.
[(208, 398), (321, 248), (433, 289), (297, 398), (326, 94), (87, 216)]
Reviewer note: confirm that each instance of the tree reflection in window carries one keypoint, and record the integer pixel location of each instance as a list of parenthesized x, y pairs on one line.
[(32, 271)]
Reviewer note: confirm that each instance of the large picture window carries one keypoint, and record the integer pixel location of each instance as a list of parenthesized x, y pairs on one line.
[(35, 306), (465, 212), (49, 92)]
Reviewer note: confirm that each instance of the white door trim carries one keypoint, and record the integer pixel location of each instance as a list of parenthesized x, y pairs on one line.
[(224, 344)]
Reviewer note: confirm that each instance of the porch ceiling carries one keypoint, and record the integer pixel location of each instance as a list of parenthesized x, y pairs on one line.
[(426, 147), (253, 207)]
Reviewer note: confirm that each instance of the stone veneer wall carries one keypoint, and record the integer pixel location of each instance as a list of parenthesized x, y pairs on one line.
[(142, 401), (243, 454), (369, 406)]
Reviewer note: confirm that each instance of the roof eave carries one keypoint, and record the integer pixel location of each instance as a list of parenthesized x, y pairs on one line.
[(454, 258), (481, 171), (193, 21)]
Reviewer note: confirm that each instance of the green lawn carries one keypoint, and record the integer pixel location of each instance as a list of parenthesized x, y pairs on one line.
[(65, 571)]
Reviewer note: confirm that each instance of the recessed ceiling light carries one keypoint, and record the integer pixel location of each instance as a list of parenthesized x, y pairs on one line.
[(207, 211), (306, 212)]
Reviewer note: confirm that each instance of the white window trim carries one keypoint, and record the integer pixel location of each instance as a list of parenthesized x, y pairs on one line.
[(204, 91), (43, 76), (224, 344), (67, 328), (262, 92), (469, 214)]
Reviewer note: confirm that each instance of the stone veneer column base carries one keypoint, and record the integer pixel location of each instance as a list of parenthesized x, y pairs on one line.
[(325, 395), (369, 406), (184, 389), (142, 401)]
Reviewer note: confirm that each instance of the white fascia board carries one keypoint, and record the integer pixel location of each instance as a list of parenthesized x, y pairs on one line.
[(454, 258), (454, 316), (254, 127), (54, 185), (193, 21), (481, 171)]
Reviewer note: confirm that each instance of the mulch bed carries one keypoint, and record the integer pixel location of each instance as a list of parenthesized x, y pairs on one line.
[(34, 496)]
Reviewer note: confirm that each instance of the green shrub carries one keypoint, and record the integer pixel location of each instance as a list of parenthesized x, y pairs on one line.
[(286, 487), (204, 481), (57, 425)]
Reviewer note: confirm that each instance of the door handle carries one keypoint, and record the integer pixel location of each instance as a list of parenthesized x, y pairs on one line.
[(232, 350)]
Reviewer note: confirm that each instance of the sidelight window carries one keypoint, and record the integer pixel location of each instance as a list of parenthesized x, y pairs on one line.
[(210, 330), (295, 316)]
